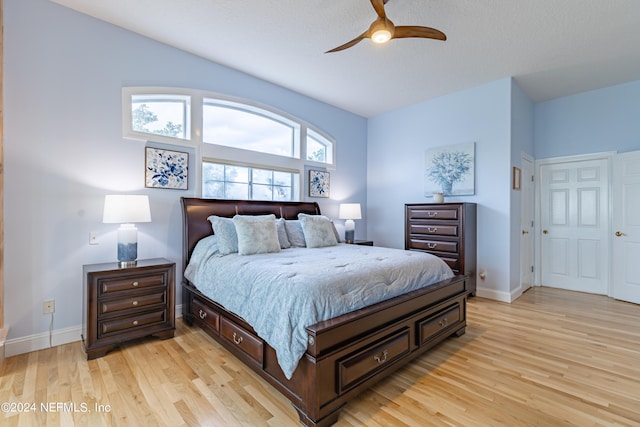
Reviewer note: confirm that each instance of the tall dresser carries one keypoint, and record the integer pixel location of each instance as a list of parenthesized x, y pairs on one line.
[(447, 230)]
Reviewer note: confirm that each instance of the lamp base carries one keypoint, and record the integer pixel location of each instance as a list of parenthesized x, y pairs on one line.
[(127, 243), (349, 236), (127, 264)]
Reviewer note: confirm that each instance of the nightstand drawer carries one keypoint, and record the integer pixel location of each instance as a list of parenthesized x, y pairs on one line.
[(120, 284), (131, 322), (110, 306)]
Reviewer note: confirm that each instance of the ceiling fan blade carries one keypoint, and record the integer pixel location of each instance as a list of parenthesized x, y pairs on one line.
[(417, 31), (378, 5), (349, 44)]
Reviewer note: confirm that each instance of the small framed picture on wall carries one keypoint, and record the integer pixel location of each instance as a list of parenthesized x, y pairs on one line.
[(318, 183), (517, 178), (166, 169)]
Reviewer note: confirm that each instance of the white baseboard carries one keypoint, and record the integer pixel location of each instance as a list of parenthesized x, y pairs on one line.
[(37, 342), (494, 295)]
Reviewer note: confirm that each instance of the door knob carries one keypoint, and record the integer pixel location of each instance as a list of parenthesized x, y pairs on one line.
[(545, 231), (620, 233), (525, 232)]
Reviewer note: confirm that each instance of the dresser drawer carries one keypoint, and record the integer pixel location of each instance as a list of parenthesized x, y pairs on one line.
[(242, 339), (138, 321), (366, 362), (453, 263), (432, 229), (137, 301), (205, 315), (107, 286), (435, 245), (438, 213), (434, 325)]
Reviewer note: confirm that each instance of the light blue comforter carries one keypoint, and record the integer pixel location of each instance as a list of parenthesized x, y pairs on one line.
[(279, 294)]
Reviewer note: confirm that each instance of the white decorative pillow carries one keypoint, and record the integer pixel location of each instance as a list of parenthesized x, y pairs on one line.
[(226, 232), (257, 234), (318, 231), (282, 234), (294, 233)]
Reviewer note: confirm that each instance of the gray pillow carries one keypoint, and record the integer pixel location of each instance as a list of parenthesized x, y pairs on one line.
[(294, 233), (318, 231), (282, 234), (257, 234), (226, 232)]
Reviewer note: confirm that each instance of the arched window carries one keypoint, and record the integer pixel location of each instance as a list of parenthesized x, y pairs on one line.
[(245, 150)]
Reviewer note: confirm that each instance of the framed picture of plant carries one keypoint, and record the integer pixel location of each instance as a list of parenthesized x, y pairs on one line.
[(450, 170), (166, 169), (318, 183)]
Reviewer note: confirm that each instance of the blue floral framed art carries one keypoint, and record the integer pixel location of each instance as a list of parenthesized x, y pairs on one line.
[(450, 170), (166, 169), (318, 183)]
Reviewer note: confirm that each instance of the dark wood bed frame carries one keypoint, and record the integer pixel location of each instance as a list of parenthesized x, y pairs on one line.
[(345, 355)]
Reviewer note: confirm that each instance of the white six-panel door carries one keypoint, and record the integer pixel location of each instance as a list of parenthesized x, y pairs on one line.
[(574, 211), (626, 227)]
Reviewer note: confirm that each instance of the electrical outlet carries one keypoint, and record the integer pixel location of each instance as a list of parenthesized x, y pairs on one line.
[(48, 306), (93, 238)]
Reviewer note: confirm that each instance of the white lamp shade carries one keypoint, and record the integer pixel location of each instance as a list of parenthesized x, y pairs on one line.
[(349, 211), (126, 209)]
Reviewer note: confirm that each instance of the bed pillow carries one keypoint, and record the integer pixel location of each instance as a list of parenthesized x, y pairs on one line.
[(318, 231), (225, 230), (282, 234), (295, 233), (257, 234)]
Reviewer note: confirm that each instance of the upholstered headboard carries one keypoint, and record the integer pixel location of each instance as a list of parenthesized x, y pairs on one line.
[(196, 211)]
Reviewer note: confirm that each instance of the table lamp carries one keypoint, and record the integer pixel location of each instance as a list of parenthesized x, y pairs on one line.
[(126, 210), (349, 212)]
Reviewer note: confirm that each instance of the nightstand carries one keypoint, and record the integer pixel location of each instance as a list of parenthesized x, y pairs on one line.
[(363, 242), (123, 304)]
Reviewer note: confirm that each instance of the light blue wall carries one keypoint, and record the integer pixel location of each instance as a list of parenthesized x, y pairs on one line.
[(591, 122), (396, 145), (64, 151)]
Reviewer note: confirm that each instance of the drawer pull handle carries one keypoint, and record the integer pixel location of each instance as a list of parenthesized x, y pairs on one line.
[(432, 229), (444, 322), (381, 359), (432, 245), (135, 303), (135, 284), (202, 314), (135, 323), (432, 214), (237, 340)]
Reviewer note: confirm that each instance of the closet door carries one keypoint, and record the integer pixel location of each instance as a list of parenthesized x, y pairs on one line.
[(626, 227), (574, 210)]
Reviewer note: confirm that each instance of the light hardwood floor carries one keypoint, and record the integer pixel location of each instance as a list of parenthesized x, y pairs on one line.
[(551, 358)]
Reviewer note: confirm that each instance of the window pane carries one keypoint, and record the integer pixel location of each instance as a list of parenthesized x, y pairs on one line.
[(282, 178), (236, 191), (160, 115), (261, 176), (237, 128), (262, 192), (212, 171), (282, 193), (213, 190), (236, 174), (315, 150)]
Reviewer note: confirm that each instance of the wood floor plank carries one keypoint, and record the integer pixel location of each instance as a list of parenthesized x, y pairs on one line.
[(551, 358)]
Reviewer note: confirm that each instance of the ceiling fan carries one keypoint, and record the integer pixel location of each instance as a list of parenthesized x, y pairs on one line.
[(382, 30)]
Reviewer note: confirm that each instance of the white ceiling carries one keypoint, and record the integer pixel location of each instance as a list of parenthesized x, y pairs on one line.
[(553, 48)]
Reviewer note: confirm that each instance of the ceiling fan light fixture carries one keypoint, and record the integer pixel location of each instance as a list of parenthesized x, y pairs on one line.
[(381, 36)]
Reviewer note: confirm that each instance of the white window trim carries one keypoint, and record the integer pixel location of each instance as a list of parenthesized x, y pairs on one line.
[(212, 152)]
